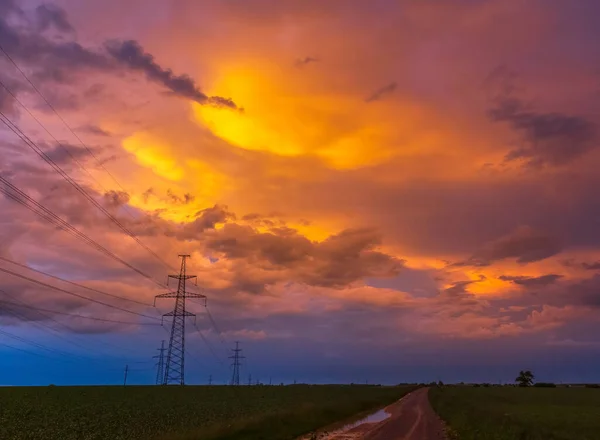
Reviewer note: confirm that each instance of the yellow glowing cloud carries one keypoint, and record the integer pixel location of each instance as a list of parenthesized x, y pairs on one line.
[(154, 154), (288, 121), (193, 177)]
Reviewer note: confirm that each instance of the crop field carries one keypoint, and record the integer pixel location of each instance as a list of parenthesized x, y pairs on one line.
[(177, 413), (503, 413)]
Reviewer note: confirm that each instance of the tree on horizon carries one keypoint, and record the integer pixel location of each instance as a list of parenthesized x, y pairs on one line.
[(525, 378)]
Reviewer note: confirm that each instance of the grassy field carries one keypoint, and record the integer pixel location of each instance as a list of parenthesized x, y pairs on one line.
[(503, 413), (174, 413)]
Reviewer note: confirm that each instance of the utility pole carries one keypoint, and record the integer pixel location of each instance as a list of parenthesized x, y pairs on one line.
[(270, 381), (237, 358), (210, 379), (160, 365), (125, 379), (174, 372)]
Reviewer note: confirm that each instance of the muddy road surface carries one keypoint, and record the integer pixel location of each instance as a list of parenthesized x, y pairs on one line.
[(411, 418)]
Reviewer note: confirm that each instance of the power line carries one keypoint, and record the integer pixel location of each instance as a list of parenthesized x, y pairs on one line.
[(21, 349), (25, 200), (55, 332), (214, 324), (60, 117), (89, 150), (75, 294), (33, 343), (75, 315), (73, 283), (68, 178), (209, 345), (40, 311)]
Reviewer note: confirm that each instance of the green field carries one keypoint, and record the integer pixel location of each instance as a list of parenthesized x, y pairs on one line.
[(189, 412), (503, 413)]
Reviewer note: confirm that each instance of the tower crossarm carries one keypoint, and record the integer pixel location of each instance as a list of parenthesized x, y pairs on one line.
[(174, 295)]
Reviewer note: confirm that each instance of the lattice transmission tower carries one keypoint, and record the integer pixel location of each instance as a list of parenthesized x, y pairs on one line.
[(237, 362), (175, 365), (160, 364)]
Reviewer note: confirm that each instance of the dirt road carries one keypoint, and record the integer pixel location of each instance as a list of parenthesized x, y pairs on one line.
[(411, 418)]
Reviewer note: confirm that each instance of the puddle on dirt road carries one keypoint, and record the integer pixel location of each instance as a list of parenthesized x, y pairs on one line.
[(341, 432), (377, 417)]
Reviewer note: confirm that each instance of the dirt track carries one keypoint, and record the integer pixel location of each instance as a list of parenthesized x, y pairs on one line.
[(412, 418)]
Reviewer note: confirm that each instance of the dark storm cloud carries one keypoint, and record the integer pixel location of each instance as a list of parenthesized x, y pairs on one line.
[(52, 16), (568, 293), (115, 199), (208, 218), (549, 138), (335, 262), (95, 130), (180, 200), (591, 266), (66, 153), (131, 54), (458, 288), (525, 244), (383, 91), (541, 281), (583, 265), (60, 60)]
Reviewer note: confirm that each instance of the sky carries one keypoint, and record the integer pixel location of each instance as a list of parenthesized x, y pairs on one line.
[(382, 191)]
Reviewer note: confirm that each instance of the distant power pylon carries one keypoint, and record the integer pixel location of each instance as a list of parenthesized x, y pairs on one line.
[(175, 368), (237, 362), (160, 364), (249, 379)]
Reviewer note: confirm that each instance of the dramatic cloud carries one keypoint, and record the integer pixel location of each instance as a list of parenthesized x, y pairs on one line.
[(131, 54), (541, 281), (61, 58), (65, 153), (524, 244), (552, 138), (49, 15), (450, 220)]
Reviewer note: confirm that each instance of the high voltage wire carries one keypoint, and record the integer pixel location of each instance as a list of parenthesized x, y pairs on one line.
[(73, 283), (75, 294), (59, 116), (21, 349), (68, 178), (75, 315), (212, 321), (89, 150), (209, 345), (48, 215), (25, 200), (55, 332), (33, 343), (214, 324), (40, 312)]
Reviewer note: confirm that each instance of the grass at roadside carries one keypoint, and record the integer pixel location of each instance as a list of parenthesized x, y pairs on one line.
[(509, 413), (177, 413)]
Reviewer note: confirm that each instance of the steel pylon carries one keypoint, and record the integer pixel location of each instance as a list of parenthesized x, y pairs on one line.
[(175, 365)]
